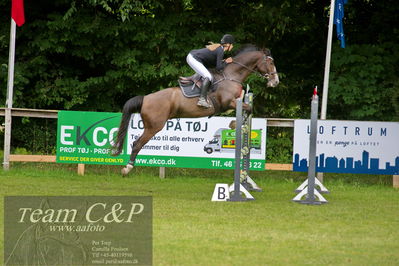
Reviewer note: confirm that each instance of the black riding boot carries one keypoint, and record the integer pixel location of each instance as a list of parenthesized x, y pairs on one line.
[(204, 91)]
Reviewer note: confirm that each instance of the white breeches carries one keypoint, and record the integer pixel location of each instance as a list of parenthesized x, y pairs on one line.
[(198, 67)]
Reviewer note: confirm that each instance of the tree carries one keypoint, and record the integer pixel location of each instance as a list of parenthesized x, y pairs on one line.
[(80, 54), (363, 81)]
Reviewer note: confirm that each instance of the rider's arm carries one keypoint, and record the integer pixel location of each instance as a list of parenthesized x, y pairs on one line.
[(220, 64)]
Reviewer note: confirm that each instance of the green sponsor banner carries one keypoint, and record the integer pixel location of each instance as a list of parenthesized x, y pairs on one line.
[(87, 138), (229, 138)]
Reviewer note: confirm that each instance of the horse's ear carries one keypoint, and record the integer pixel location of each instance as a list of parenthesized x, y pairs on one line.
[(267, 52)]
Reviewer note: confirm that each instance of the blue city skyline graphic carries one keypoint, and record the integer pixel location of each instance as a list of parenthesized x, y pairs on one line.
[(333, 164)]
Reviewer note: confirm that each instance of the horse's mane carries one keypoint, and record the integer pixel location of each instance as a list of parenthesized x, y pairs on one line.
[(251, 48)]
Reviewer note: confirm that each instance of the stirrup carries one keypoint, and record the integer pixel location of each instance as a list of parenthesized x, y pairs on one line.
[(202, 102)]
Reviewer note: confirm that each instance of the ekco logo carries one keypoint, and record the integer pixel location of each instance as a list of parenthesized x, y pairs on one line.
[(76, 135)]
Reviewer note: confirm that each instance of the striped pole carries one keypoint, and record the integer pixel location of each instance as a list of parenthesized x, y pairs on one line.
[(237, 170)]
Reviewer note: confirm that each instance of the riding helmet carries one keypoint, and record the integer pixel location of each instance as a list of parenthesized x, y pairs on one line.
[(227, 38)]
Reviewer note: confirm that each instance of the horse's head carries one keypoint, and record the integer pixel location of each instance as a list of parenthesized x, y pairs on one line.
[(267, 68), (258, 61)]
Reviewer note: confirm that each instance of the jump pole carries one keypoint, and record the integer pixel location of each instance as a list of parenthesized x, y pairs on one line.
[(242, 182), (242, 151), (236, 195), (246, 180), (308, 189)]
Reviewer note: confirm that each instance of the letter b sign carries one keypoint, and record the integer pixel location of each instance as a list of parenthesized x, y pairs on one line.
[(221, 192)]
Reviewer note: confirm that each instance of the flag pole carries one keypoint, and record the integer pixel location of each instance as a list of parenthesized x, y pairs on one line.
[(10, 87), (323, 114)]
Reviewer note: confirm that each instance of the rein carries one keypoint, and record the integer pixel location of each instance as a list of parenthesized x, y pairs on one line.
[(226, 78), (265, 76)]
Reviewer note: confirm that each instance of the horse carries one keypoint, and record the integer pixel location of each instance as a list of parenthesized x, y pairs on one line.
[(156, 108)]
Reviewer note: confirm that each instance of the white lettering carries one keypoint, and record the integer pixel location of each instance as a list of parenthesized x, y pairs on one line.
[(111, 135), (65, 135), (89, 212), (95, 136)]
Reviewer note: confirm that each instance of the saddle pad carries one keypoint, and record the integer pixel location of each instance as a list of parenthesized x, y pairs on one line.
[(190, 90)]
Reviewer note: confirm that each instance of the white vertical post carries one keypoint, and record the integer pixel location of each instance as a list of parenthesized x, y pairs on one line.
[(323, 114), (10, 87), (327, 65)]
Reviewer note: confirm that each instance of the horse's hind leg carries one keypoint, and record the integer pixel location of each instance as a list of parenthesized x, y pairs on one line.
[(137, 145), (153, 123), (155, 111)]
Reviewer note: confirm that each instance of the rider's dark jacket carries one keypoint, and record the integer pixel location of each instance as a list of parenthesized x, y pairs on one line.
[(210, 59)]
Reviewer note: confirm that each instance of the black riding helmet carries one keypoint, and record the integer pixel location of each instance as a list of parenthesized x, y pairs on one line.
[(227, 38)]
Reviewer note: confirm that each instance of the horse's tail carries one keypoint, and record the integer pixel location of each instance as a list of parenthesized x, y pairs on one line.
[(132, 105)]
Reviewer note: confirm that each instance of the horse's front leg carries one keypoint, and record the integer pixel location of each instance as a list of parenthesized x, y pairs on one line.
[(246, 107)]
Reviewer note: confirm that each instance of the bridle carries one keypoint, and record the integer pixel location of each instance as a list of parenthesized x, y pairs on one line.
[(264, 76), (264, 60)]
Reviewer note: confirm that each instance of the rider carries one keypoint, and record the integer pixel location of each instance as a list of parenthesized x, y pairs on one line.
[(211, 56)]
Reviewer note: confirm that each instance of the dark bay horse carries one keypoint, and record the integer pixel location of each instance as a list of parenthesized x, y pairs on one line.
[(156, 108)]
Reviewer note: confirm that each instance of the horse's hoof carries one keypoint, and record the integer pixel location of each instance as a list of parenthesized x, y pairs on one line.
[(126, 169)]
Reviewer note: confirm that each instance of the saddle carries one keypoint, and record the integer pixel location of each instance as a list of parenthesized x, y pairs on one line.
[(191, 86), (196, 78)]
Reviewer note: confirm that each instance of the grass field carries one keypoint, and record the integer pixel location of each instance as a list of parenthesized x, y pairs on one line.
[(359, 225)]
